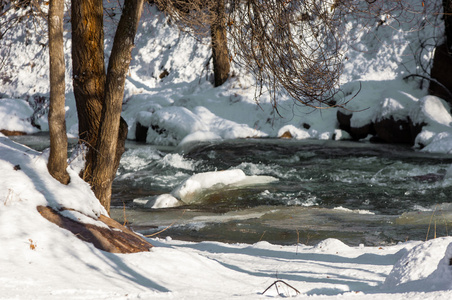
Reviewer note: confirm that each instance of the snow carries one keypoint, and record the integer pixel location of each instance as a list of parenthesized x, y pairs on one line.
[(16, 115), (416, 265), (39, 260)]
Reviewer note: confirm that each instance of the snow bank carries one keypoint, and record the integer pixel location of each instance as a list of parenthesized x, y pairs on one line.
[(16, 115), (370, 101), (25, 180), (74, 269), (441, 278), (426, 265)]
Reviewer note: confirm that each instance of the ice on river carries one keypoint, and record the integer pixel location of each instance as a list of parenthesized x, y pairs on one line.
[(193, 188)]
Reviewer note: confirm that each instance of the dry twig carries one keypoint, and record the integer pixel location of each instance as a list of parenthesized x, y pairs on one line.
[(276, 286)]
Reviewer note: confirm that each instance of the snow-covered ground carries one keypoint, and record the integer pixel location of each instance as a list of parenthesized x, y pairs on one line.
[(39, 260)]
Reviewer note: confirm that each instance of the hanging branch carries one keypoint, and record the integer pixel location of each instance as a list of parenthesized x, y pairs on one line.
[(293, 47)]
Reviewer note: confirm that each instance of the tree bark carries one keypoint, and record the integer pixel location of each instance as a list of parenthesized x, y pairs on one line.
[(118, 65), (447, 7), (221, 63), (57, 164), (88, 71), (89, 81)]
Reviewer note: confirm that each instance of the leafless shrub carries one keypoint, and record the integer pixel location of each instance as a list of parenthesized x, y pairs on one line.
[(194, 16), (294, 46), (13, 12), (290, 46)]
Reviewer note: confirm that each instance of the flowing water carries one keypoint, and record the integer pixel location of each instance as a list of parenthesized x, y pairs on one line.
[(360, 193)]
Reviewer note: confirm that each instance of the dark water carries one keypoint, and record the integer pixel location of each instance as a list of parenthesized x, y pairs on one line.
[(357, 192)]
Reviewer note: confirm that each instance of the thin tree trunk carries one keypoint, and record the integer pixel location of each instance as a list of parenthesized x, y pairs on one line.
[(88, 70), (57, 164), (118, 65), (221, 63)]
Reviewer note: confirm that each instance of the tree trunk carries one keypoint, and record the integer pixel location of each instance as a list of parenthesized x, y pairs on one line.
[(220, 53), (88, 71), (118, 65), (57, 164), (89, 79), (447, 7), (442, 60)]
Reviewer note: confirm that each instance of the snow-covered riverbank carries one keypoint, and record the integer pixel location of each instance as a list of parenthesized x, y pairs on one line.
[(42, 261), (39, 260)]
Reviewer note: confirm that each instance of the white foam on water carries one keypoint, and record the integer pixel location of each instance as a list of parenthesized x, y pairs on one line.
[(176, 160), (138, 158), (356, 211)]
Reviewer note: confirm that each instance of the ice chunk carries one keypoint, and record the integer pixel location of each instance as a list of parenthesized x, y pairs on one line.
[(193, 188)]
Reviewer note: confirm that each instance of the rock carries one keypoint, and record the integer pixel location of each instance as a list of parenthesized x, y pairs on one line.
[(429, 177), (115, 239), (356, 133), (141, 132), (286, 135), (394, 131), (387, 130)]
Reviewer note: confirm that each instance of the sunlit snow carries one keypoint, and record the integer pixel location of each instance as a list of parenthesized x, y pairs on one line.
[(39, 260)]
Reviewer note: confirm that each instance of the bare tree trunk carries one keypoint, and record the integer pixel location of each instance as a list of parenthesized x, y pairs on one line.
[(441, 86), (57, 126), (88, 71), (105, 165), (447, 7), (221, 63)]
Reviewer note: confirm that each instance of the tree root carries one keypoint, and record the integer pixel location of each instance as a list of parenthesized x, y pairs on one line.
[(115, 239)]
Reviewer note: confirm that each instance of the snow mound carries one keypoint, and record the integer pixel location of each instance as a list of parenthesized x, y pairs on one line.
[(436, 135), (199, 136), (169, 125), (432, 110), (418, 264), (331, 245), (441, 278)]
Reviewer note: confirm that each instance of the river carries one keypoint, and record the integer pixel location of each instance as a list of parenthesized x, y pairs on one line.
[(358, 192)]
